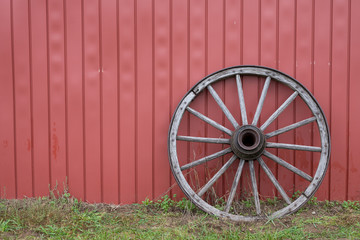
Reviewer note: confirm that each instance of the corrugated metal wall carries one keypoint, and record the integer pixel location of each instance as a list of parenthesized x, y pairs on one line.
[(87, 88)]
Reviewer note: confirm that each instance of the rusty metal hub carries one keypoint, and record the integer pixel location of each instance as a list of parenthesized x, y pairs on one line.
[(248, 142)]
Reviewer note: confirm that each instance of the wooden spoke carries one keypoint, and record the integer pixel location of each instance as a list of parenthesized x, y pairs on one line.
[(241, 100), (293, 147), (261, 101), (209, 121), (288, 166), (222, 106), (217, 175), (290, 127), (273, 180), (206, 159), (203, 139), (254, 187), (234, 185), (278, 111)]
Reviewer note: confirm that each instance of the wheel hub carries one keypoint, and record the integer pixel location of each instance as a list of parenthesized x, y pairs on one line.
[(248, 142)]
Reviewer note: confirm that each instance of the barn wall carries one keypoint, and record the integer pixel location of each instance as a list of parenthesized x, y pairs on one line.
[(87, 88)]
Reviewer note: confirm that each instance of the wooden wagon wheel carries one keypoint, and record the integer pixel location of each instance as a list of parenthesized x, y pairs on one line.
[(248, 142)]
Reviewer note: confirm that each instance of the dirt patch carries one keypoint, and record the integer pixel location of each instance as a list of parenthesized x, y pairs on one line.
[(110, 208)]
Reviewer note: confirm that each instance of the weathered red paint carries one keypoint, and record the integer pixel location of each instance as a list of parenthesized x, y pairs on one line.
[(87, 89), (353, 169)]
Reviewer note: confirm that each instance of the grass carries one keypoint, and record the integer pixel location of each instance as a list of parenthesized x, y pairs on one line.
[(65, 217)]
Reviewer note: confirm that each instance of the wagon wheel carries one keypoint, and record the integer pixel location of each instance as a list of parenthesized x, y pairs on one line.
[(247, 143)]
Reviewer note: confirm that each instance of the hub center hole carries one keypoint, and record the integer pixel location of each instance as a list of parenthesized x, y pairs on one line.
[(248, 139)]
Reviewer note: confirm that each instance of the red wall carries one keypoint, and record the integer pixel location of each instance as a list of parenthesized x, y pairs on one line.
[(87, 88)]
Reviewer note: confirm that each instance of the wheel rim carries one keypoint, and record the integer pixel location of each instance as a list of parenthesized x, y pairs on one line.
[(248, 142)]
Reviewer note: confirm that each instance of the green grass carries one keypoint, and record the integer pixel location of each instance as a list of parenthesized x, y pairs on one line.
[(67, 218)]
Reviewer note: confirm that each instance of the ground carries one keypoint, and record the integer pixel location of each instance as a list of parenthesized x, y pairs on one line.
[(67, 218)]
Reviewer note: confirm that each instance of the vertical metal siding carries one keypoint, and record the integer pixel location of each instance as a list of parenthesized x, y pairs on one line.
[(268, 27), (353, 189), (144, 88), (127, 100), (22, 98), (109, 101), (286, 62), (75, 97), (197, 68), (179, 78), (215, 48), (322, 69), (87, 89), (303, 71), (57, 95), (8, 179), (339, 99), (250, 52), (40, 96), (161, 94)]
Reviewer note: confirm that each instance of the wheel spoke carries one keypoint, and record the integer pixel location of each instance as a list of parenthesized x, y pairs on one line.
[(273, 180), (203, 139), (288, 166), (217, 175), (293, 147), (254, 187), (278, 111), (261, 101), (209, 121), (234, 185), (290, 127), (206, 159), (241, 100), (222, 106)]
